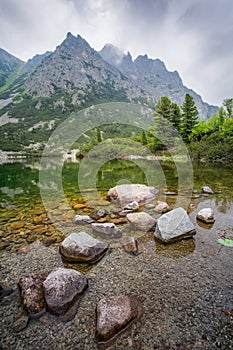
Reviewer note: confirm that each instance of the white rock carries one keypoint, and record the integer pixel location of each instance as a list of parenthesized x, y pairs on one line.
[(173, 226), (206, 215)]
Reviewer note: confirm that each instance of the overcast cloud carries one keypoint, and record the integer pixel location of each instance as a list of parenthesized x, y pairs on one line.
[(193, 37)]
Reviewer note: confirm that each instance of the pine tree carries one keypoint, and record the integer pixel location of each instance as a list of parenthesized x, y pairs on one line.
[(175, 116), (144, 138), (189, 118), (163, 107), (98, 135)]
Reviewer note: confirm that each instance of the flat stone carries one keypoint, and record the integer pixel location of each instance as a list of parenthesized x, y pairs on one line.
[(101, 213), (141, 221), (4, 245), (81, 247), (82, 219), (119, 221), (62, 289), (127, 193), (80, 206), (21, 323), (114, 314), (106, 230), (207, 190), (170, 193), (130, 245), (149, 206), (206, 215), (173, 226), (162, 207), (125, 212), (4, 290), (32, 293), (132, 206)]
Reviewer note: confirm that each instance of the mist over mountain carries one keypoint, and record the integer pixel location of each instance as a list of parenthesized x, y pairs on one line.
[(36, 96), (153, 77)]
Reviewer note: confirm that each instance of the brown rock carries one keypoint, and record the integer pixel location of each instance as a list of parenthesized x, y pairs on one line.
[(21, 323), (3, 245), (48, 241), (141, 221), (114, 314), (79, 206), (162, 207), (31, 239), (16, 225), (130, 245), (32, 293), (118, 221), (4, 290)]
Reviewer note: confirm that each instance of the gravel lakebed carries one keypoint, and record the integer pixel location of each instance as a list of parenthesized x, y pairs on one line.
[(185, 290)]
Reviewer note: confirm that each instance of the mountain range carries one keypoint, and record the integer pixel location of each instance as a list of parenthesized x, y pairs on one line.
[(38, 95)]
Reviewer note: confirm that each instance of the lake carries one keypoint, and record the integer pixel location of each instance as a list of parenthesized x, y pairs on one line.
[(187, 295)]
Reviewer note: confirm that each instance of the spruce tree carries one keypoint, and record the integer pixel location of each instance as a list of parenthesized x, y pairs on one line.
[(163, 107), (175, 116), (98, 135), (144, 138), (189, 117)]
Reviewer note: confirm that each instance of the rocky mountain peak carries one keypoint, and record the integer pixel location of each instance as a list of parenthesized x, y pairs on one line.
[(112, 54)]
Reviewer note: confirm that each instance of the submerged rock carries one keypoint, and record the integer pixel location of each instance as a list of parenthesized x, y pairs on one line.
[(81, 247), (128, 193), (4, 290), (21, 323), (82, 219), (132, 206), (141, 221), (173, 226), (107, 230), (62, 289), (206, 215), (130, 245), (114, 314), (207, 190), (162, 207), (101, 213), (32, 293)]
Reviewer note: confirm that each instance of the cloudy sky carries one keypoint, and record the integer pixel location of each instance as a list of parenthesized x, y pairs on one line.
[(193, 37)]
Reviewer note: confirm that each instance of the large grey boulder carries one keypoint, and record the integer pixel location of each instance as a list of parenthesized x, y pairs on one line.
[(62, 288), (114, 314), (141, 221), (128, 193), (32, 293), (173, 226), (106, 230), (81, 247), (206, 215)]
